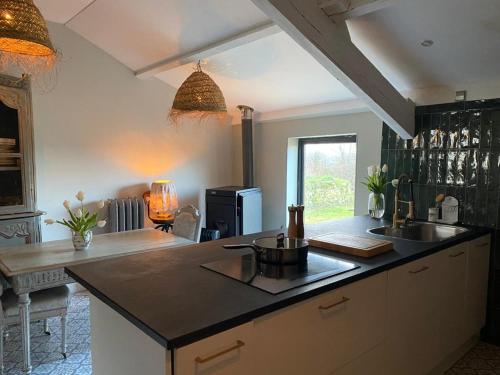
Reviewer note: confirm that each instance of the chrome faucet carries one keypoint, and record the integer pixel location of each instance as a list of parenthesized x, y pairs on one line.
[(396, 221)]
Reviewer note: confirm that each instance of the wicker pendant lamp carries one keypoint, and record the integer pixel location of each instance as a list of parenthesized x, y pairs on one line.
[(24, 38), (198, 95)]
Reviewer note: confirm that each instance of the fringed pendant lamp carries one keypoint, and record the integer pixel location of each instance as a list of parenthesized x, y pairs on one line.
[(24, 38), (198, 96)]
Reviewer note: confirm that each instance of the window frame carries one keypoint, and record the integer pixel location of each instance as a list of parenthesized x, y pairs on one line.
[(344, 138)]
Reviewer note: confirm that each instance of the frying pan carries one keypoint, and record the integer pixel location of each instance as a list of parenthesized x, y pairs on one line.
[(277, 250)]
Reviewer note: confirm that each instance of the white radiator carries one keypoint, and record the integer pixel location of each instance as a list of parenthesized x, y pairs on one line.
[(126, 214)]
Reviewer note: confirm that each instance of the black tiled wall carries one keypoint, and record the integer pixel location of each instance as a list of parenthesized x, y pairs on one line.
[(456, 151)]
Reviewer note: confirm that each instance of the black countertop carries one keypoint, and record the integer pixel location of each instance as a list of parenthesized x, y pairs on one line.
[(166, 293)]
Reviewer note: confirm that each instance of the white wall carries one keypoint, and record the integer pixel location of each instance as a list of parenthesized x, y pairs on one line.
[(270, 152), (104, 131)]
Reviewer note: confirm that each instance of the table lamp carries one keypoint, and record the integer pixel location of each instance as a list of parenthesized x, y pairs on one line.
[(162, 203)]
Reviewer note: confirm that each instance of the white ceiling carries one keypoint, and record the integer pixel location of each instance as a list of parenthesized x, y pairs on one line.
[(466, 35), (274, 73), (143, 32), (61, 11), (269, 74)]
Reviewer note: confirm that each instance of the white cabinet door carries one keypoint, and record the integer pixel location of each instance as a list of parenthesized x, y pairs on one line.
[(228, 353), (451, 315), (323, 333), (413, 303), (478, 256)]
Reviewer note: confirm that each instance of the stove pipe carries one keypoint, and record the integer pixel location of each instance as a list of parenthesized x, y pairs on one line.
[(247, 144)]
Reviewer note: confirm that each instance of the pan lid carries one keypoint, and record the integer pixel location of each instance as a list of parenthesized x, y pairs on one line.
[(281, 242)]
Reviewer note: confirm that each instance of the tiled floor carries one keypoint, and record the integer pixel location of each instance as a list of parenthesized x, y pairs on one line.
[(46, 356), (484, 359)]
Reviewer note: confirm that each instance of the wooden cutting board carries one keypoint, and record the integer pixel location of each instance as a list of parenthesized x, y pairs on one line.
[(353, 245)]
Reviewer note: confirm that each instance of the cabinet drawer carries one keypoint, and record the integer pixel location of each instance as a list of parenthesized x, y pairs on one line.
[(18, 231), (227, 353), (324, 333)]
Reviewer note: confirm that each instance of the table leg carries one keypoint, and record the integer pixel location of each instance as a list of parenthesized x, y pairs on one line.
[(24, 313)]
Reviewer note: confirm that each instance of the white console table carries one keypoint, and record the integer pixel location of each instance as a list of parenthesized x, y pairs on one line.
[(41, 266)]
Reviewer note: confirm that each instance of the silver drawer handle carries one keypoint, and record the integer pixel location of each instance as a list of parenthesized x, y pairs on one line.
[(424, 268), (328, 307), (457, 254), (208, 358), (483, 244)]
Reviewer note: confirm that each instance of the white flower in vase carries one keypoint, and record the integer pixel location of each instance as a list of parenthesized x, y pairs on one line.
[(376, 183), (67, 204), (80, 196), (81, 222)]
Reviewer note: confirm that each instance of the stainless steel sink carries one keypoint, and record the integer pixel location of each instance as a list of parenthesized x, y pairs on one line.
[(427, 232)]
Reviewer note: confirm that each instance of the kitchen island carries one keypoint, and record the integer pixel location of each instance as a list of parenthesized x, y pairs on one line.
[(162, 313)]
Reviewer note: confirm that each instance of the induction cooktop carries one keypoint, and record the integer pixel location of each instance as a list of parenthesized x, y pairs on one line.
[(277, 279)]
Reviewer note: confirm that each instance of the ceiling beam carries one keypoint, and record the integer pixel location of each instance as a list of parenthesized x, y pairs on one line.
[(328, 43), (358, 8), (367, 8), (327, 3), (209, 50)]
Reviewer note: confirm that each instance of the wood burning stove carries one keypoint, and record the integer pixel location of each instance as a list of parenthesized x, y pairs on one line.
[(234, 210), (237, 210)]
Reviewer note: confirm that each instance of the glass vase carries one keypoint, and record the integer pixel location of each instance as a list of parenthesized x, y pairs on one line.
[(376, 205), (82, 242)]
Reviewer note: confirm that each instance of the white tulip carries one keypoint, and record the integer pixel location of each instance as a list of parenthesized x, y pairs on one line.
[(49, 221), (385, 168), (100, 204), (79, 213), (395, 182), (101, 223), (80, 195), (377, 169), (67, 204), (370, 170)]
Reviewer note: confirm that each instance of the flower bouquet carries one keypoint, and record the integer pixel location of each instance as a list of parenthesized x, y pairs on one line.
[(376, 183), (81, 222)]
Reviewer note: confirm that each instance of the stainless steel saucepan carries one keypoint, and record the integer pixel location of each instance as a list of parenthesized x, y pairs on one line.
[(277, 250)]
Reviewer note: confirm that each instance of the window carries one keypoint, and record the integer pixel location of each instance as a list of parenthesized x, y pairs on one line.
[(326, 177)]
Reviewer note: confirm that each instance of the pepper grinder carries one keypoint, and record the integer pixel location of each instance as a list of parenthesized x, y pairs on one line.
[(300, 221), (292, 221)]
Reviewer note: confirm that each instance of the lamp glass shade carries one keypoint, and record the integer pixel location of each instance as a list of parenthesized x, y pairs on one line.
[(163, 200)]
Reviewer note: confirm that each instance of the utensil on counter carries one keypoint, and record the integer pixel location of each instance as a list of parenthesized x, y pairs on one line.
[(277, 250), (292, 221), (300, 221)]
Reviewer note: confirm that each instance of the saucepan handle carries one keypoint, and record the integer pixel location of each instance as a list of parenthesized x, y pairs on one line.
[(243, 246)]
